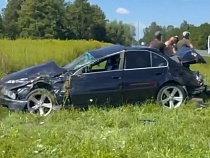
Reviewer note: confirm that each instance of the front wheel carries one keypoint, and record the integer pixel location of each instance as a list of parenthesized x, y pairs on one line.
[(40, 101), (171, 96)]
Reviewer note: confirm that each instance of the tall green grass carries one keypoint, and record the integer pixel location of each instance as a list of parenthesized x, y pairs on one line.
[(203, 69), (127, 132), (18, 54)]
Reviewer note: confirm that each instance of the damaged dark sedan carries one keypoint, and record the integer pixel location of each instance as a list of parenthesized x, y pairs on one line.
[(113, 75)]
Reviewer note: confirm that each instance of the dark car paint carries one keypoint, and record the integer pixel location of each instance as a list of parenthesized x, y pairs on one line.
[(96, 88), (189, 55), (47, 74), (13, 104), (45, 69), (135, 85), (102, 87), (140, 84), (103, 52)]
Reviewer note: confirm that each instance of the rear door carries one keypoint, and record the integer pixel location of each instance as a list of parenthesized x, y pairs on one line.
[(143, 72)]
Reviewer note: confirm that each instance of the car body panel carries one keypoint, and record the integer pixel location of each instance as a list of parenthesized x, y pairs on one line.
[(13, 104), (142, 84), (45, 69), (189, 55), (96, 88)]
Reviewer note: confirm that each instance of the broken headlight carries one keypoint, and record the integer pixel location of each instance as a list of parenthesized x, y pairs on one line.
[(199, 77), (22, 80), (8, 93)]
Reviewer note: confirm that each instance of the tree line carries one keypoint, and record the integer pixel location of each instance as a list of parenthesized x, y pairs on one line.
[(199, 34), (57, 19)]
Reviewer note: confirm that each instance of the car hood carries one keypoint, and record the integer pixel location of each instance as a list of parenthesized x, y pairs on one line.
[(49, 68)]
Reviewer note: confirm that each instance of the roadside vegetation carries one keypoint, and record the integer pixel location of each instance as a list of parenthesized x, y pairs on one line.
[(129, 131), (22, 53), (80, 19)]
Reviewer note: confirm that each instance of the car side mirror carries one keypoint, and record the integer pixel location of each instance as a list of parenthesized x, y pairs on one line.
[(80, 75), (86, 69)]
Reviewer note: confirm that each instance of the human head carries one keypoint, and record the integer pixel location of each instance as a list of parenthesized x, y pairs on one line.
[(176, 39), (158, 35), (186, 34)]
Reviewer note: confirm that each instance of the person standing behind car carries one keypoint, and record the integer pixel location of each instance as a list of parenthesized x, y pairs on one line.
[(184, 42), (157, 42), (176, 40), (169, 46)]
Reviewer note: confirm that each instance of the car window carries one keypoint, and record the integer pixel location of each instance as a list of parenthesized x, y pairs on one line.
[(158, 61), (107, 64), (100, 65), (137, 59)]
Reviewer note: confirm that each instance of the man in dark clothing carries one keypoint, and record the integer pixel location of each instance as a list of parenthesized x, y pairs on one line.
[(176, 40), (184, 42), (157, 42)]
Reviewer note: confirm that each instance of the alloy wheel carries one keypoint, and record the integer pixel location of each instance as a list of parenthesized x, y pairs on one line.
[(40, 103), (171, 97)]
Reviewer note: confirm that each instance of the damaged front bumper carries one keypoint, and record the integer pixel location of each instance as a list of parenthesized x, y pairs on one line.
[(197, 90), (12, 104), (8, 99)]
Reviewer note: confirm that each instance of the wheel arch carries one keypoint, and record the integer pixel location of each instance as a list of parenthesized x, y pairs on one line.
[(40, 91), (42, 84), (171, 82)]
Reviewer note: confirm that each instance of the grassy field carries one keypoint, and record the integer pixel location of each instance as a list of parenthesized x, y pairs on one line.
[(15, 55), (146, 131)]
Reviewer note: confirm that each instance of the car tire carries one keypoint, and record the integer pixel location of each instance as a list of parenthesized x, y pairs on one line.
[(171, 96), (41, 101)]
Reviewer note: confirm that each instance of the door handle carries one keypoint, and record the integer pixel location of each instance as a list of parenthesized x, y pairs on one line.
[(116, 77), (158, 73)]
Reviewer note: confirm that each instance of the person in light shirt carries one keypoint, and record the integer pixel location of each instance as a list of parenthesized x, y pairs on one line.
[(169, 50)]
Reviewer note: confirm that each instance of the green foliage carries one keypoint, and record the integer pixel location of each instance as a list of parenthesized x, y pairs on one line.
[(10, 18), (78, 19), (43, 19), (25, 53), (86, 21), (50, 19), (118, 32), (150, 31), (1, 26)]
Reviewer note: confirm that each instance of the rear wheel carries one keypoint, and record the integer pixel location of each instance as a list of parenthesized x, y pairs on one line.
[(41, 102), (171, 96)]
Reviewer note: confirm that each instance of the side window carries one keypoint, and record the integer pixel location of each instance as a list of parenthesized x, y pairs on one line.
[(137, 59), (158, 61), (107, 64), (100, 65)]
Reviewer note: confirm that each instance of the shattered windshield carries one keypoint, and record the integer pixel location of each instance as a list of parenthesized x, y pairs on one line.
[(82, 60)]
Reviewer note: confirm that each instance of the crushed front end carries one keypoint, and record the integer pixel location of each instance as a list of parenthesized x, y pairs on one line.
[(14, 93)]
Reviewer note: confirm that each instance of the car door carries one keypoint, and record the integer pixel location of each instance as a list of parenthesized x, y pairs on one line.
[(98, 86), (142, 75)]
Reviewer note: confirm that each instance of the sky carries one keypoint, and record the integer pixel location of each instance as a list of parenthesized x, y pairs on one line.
[(164, 12)]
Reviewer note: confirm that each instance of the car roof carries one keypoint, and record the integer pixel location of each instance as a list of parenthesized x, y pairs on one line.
[(109, 50)]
